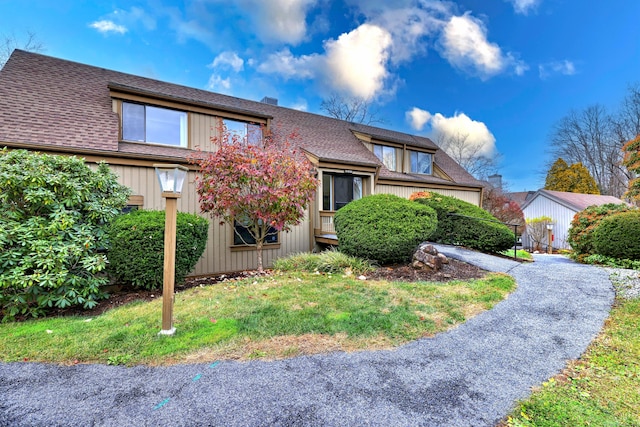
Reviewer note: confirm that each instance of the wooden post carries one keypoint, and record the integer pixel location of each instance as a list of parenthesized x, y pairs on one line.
[(169, 262)]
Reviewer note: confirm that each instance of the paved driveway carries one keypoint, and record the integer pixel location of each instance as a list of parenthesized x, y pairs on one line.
[(470, 376)]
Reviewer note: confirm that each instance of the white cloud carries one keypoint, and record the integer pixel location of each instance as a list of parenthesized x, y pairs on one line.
[(133, 16), (301, 105), (523, 7), (357, 61), (105, 26), (230, 60), (565, 67), (464, 44), (288, 66), (280, 21), (218, 84), (418, 118), (476, 136)]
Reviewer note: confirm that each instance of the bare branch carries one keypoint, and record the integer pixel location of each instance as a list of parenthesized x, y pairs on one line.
[(351, 109), (10, 42)]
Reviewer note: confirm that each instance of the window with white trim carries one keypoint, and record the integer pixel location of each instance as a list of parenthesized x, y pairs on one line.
[(243, 132), (386, 154), (147, 123), (421, 162)]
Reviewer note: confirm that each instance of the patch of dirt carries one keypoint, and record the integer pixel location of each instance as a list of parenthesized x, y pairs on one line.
[(454, 270), (120, 295)]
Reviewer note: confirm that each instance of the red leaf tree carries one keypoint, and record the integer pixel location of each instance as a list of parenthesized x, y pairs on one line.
[(263, 183), (502, 207)]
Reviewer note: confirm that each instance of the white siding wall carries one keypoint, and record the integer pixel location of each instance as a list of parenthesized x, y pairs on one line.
[(561, 216), (472, 197)]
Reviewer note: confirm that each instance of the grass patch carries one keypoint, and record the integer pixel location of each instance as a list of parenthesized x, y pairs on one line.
[(329, 261), (602, 389), (282, 315), (520, 253)]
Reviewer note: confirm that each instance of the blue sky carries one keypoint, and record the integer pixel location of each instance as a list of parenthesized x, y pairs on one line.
[(502, 72)]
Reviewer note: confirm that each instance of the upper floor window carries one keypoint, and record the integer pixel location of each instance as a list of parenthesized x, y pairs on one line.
[(387, 155), (249, 133), (154, 124), (421, 162)]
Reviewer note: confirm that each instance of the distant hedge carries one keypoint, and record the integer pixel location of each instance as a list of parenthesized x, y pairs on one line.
[(136, 255), (474, 233), (383, 228), (584, 224), (618, 236)]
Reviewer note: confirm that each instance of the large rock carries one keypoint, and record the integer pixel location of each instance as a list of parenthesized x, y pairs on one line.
[(427, 257)]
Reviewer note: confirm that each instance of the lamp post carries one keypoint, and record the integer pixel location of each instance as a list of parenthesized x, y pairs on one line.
[(549, 238), (171, 178)]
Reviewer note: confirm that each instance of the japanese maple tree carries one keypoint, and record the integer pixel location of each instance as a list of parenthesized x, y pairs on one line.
[(263, 183)]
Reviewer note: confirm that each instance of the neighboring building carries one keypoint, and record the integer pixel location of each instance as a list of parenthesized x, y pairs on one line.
[(131, 122), (561, 207)]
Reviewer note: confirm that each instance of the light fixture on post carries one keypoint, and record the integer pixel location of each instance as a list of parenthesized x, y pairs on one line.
[(550, 238), (171, 178)]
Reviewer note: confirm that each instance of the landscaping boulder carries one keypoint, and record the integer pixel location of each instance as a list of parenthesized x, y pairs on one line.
[(427, 257)]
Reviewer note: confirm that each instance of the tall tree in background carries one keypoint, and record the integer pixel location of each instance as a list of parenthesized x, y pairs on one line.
[(589, 137), (264, 185), (10, 42), (351, 109), (632, 162), (573, 179), (470, 156)]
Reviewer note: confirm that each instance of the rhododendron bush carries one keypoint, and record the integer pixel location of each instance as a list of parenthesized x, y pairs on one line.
[(265, 184)]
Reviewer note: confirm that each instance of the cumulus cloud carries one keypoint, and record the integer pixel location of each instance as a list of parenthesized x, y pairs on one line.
[(230, 60), (465, 45), (356, 61), (564, 67), (418, 118), (458, 132), (105, 26), (281, 21), (285, 64), (523, 7), (218, 84)]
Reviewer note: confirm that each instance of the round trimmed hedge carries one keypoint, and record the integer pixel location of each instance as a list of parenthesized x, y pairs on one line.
[(486, 236), (136, 254), (584, 224), (617, 236), (383, 228)]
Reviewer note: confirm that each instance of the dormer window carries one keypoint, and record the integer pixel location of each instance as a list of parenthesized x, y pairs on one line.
[(244, 132), (421, 162), (387, 155), (147, 123)]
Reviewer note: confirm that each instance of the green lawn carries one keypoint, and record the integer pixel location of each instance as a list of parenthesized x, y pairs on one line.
[(601, 389), (276, 316)]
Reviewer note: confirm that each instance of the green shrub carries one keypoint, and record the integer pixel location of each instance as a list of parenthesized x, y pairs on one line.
[(474, 233), (383, 228), (330, 261), (52, 214), (584, 224), (136, 255), (618, 236)]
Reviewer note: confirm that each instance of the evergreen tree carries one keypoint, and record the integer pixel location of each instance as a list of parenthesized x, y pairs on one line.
[(573, 179), (632, 162)]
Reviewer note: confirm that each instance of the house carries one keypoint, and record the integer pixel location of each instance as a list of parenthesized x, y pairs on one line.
[(131, 122), (561, 207)]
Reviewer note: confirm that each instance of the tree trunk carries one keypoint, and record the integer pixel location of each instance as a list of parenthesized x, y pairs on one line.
[(259, 252)]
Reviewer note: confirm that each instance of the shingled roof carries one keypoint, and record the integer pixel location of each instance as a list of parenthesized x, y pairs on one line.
[(574, 201), (51, 102)]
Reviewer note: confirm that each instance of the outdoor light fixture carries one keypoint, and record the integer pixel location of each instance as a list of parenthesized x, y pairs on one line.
[(171, 178), (550, 238)]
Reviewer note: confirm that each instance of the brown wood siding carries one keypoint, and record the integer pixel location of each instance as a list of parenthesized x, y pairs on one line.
[(203, 128), (472, 197)]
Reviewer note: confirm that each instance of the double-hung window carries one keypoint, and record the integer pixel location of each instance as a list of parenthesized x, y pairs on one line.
[(386, 154), (146, 123), (421, 162), (243, 132), (338, 190)]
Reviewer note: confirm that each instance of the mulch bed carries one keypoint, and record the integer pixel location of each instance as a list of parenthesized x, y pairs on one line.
[(120, 295)]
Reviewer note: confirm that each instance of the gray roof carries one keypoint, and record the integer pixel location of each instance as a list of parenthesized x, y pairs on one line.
[(573, 201)]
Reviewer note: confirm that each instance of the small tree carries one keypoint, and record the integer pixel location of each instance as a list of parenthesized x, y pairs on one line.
[(263, 183), (537, 231), (632, 162), (503, 208)]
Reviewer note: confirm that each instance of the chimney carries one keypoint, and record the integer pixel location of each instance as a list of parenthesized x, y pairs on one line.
[(270, 101), (495, 181)]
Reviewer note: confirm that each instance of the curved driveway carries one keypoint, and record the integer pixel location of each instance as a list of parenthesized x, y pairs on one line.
[(470, 376)]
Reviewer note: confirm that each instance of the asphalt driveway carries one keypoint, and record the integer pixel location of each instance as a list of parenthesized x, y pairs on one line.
[(470, 376)]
